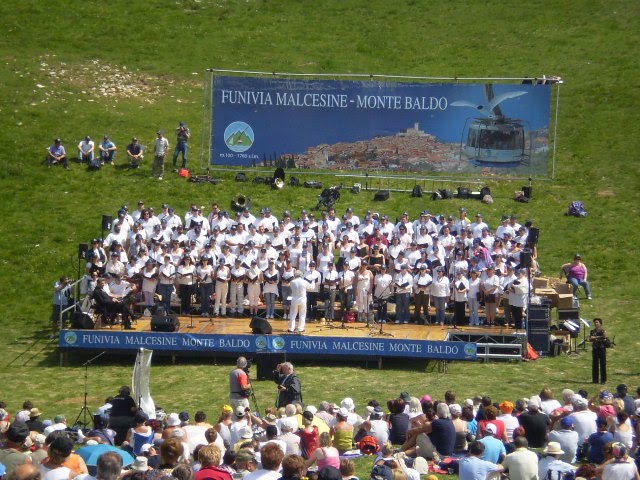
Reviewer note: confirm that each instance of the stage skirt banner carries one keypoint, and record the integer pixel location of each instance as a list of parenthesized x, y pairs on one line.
[(250, 344), (378, 126)]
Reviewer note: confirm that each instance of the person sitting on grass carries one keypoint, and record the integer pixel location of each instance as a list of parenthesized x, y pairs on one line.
[(56, 154), (472, 467), (342, 431), (107, 150), (135, 153), (86, 150), (325, 454)]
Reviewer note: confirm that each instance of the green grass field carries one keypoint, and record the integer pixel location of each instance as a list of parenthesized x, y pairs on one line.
[(72, 68)]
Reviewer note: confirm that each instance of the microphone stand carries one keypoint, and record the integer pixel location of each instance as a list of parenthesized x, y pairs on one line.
[(380, 301), (84, 409)]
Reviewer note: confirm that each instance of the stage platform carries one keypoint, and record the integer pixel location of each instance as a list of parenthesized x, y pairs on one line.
[(198, 336)]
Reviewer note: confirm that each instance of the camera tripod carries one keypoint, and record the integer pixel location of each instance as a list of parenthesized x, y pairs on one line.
[(252, 394), (84, 410)]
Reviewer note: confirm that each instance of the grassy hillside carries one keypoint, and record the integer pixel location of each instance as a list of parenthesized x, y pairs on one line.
[(74, 68)]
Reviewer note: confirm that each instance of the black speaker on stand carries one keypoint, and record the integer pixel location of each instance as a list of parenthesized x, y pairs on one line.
[(107, 222), (525, 258), (83, 248)]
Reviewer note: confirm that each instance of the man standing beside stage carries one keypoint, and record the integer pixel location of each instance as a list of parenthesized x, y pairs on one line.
[(289, 386), (518, 297), (239, 385)]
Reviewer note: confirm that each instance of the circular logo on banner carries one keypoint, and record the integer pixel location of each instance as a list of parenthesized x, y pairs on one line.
[(238, 136), (470, 349), (70, 338), (261, 343), (278, 343)]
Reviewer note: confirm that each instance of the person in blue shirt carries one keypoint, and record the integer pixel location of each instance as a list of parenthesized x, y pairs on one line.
[(494, 450), (107, 150), (472, 467), (597, 442)]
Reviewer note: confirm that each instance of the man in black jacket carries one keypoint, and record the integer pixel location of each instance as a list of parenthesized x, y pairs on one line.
[(108, 305), (289, 386)]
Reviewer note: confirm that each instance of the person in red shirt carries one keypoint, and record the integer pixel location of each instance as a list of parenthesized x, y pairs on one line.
[(491, 414), (210, 458)]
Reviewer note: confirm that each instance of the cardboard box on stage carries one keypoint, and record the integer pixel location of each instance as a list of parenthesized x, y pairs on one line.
[(540, 282), (565, 300), (549, 293)]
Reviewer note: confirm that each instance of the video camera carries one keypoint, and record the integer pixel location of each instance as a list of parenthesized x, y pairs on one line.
[(247, 369)]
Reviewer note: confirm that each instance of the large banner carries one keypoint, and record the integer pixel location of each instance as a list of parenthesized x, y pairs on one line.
[(250, 344), (381, 126)]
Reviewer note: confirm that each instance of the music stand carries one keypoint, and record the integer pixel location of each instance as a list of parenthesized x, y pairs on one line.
[(586, 325), (574, 330)]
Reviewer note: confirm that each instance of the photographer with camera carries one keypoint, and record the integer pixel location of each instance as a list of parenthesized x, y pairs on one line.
[(289, 386), (240, 384), (61, 300), (182, 146)]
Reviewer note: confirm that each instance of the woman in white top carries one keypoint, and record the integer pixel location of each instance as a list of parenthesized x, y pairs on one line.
[(165, 282), (271, 277), (490, 287), (204, 274), (253, 278), (439, 294), (186, 279), (473, 298), (149, 282), (287, 275), (620, 425), (59, 451)]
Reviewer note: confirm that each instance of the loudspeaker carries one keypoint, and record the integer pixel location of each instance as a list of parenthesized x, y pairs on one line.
[(540, 312), (533, 236), (417, 191), (464, 193), (165, 323), (83, 248), (539, 341), (525, 258), (267, 363), (261, 326), (82, 321), (381, 195), (107, 222)]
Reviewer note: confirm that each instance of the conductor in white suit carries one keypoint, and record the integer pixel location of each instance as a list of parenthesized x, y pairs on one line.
[(298, 302)]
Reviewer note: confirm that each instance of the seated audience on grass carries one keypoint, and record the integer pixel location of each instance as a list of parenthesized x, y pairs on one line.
[(57, 154), (342, 431), (325, 454)]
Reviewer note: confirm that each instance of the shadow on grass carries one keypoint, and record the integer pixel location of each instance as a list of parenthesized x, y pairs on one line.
[(38, 349)]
